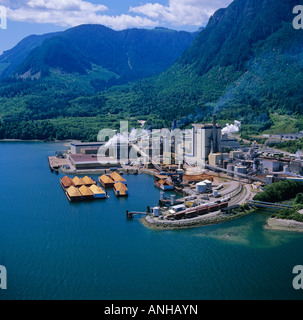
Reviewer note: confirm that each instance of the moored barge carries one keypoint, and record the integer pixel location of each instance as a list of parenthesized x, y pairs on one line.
[(106, 181), (120, 189), (73, 194), (164, 185)]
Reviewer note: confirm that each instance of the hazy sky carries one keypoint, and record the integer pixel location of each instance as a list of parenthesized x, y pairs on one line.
[(25, 17)]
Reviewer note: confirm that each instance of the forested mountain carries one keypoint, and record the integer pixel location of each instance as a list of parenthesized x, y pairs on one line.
[(130, 54), (246, 65), (232, 33), (11, 59)]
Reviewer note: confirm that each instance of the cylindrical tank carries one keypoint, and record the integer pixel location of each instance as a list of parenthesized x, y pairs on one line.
[(172, 199), (208, 184), (201, 187), (156, 212), (162, 195)]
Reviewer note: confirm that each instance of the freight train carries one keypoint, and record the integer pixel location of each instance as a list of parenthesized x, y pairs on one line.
[(199, 210)]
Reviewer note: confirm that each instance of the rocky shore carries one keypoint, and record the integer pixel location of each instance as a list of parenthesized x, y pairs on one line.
[(284, 225), (200, 221)]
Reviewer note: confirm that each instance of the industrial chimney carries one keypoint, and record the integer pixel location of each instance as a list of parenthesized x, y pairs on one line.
[(215, 145)]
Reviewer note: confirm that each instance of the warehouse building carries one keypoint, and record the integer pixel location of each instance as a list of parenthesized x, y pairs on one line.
[(87, 162), (76, 147)]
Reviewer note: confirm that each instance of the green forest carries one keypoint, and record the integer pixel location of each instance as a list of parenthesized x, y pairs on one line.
[(281, 191), (235, 67)]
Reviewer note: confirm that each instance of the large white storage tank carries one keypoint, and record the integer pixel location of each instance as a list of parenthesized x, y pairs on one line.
[(208, 184), (156, 212), (201, 187), (172, 199), (162, 195)]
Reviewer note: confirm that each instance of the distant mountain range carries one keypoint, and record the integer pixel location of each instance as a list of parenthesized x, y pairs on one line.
[(127, 55), (246, 65)]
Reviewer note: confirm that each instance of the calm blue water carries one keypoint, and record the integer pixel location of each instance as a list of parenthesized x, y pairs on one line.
[(53, 249)]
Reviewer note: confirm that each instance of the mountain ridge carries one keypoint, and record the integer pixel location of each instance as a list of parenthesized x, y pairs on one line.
[(131, 54), (246, 65)]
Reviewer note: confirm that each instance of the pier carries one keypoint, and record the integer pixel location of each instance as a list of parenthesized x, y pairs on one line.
[(131, 214), (56, 163)]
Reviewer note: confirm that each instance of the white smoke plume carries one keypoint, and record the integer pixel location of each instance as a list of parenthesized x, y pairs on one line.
[(125, 138), (232, 128)]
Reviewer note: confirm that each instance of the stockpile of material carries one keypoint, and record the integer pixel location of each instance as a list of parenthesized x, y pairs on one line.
[(73, 194), (106, 181), (78, 182), (77, 189), (86, 193), (117, 178), (120, 189), (98, 192), (88, 181)]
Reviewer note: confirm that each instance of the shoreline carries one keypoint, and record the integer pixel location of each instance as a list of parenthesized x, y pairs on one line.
[(131, 171), (283, 225), (38, 141), (197, 222)]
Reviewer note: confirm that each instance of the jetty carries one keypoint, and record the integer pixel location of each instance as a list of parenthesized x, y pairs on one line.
[(131, 214)]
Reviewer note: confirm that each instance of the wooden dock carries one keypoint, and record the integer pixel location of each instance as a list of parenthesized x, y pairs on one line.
[(131, 214), (56, 163)]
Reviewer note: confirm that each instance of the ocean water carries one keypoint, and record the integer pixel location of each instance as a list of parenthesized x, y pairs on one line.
[(54, 249)]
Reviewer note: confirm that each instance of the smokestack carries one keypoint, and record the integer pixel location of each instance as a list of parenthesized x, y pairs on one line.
[(215, 147), (174, 124)]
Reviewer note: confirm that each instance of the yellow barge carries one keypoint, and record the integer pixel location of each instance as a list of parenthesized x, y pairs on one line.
[(84, 189), (120, 189)]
